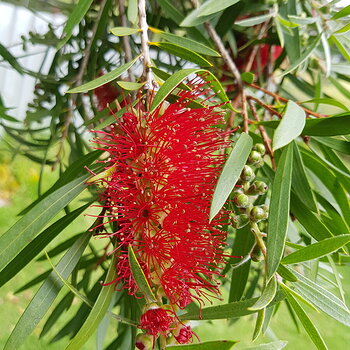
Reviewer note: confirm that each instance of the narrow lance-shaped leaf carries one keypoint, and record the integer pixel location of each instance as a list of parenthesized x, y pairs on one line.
[(46, 295), (182, 52), (322, 299), (122, 31), (276, 345), (306, 322), (316, 250), (308, 52), (290, 127), (97, 312), (173, 81), (259, 324), (210, 345), (267, 295), (279, 211), (206, 9), (74, 19), (230, 173), (187, 43), (139, 276), (7, 56), (230, 310), (300, 182), (26, 228), (104, 79), (36, 246)]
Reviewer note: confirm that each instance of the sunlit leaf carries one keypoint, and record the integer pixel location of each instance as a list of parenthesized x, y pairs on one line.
[(122, 31), (230, 173)]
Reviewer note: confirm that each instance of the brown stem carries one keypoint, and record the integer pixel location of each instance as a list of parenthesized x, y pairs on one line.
[(264, 105), (79, 81), (233, 69), (265, 137), (125, 38), (283, 99)]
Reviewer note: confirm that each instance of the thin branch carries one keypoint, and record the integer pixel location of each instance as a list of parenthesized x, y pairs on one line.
[(233, 69), (265, 137), (125, 38), (264, 105), (79, 79), (283, 99), (145, 47)]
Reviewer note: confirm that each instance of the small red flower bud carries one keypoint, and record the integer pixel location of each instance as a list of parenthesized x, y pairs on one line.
[(144, 342), (156, 320), (184, 334)]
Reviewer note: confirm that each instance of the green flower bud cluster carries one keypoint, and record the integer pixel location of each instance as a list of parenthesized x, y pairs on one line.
[(244, 197)]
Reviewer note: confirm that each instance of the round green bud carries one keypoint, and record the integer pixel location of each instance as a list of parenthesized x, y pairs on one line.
[(256, 253), (254, 157), (257, 214), (247, 174), (239, 221), (260, 163), (241, 200), (257, 188), (259, 147)]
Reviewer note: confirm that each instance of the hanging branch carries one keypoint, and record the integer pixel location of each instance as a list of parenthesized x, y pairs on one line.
[(147, 73), (125, 38), (233, 69)]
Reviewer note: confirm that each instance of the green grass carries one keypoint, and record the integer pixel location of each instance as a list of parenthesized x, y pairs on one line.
[(12, 305)]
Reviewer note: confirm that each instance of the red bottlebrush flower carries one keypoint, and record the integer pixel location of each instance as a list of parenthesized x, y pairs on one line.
[(156, 321), (163, 167)]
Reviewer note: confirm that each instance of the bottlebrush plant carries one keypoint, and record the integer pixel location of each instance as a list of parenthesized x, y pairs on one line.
[(207, 145)]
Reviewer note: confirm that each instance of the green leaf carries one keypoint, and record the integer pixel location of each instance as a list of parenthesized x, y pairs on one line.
[(123, 31), (259, 324), (201, 13), (74, 19), (177, 78), (230, 173), (36, 246), (329, 126), (252, 21), (128, 85), (316, 250), (267, 295), (210, 345), (276, 345), (290, 127), (322, 299), (337, 145), (230, 310), (26, 228), (286, 274), (306, 54), (343, 29), (300, 182), (46, 295), (342, 13), (248, 77), (183, 52), (72, 172), (132, 12), (97, 312), (328, 101), (279, 211), (187, 43), (242, 245), (164, 76), (306, 322), (8, 57), (308, 219), (139, 276), (104, 79)]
